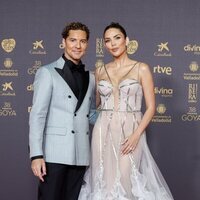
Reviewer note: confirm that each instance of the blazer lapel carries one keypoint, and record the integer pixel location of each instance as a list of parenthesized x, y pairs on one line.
[(68, 77)]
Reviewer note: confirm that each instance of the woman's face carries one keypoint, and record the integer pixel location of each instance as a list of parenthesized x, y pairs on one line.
[(115, 42)]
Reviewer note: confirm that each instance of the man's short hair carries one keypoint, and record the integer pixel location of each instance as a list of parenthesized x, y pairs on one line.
[(75, 26)]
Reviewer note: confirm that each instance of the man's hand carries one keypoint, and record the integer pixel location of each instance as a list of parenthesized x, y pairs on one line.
[(38, 167)]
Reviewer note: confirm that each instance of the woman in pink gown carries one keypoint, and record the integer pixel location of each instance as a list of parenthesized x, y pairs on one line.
[(122, 167)]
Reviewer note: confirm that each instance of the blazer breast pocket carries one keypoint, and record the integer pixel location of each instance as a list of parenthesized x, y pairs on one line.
[(50, 130)]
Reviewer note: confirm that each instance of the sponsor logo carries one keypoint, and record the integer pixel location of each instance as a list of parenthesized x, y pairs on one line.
[(132, 47), (99, 47), (38, 48), (191, 115), (194, 66), (7, 89), (7, 111), (29, 109), (8, 71), (161, 117), (32, 70), (192, 92), (163, 50), (8, 63), (192, 48), (193, 74), (99, 63), (162, 70), (164, 92), (29, 87), (8, 45)]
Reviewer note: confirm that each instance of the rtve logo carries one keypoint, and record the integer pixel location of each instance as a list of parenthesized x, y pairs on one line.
[(162, 70)]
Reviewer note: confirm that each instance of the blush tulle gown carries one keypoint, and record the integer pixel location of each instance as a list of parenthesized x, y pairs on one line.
[(111, 175)]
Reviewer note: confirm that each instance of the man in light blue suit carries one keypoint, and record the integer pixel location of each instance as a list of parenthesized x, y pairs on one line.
[(59, 127)]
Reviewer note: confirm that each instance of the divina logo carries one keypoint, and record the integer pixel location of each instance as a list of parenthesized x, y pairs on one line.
[(192, 48), (164, 92)]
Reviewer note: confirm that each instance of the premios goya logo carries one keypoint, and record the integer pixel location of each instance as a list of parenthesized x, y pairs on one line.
[(191, 115), (163, 50), (164, 92), (7, 89), (160, 116), (32, 70), (193, 73), (192, 48), (162, 70), (7, 111), (7, 71), (8, 45), (38, 48)]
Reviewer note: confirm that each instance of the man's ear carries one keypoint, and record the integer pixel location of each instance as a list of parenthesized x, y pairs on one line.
[(63, 43), (127, 41)]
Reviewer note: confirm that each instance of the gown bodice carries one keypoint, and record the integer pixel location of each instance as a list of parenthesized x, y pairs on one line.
[(126, 97)]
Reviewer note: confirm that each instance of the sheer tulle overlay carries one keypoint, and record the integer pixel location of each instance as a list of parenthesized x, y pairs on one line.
[(111, 175)]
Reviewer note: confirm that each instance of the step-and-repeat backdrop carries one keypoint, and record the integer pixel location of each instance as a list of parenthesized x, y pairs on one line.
[(163, 34)]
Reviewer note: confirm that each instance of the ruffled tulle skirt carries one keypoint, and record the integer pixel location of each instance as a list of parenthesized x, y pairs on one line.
[(113, 176)]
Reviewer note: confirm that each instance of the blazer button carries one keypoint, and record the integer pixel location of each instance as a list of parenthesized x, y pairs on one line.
[(87, 133), (73, 131), (69, 96), (75, 114), (87, 115)]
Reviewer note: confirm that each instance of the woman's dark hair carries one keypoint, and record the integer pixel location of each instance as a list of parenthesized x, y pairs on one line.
[(117, 26), (75, 26)]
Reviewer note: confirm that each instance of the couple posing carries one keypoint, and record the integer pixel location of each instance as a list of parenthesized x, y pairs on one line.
[(120, 163)]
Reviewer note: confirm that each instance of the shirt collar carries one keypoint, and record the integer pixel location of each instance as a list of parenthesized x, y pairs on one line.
[(72, 65)]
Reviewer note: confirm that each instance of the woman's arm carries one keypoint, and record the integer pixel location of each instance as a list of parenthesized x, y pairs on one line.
[(148, 89)]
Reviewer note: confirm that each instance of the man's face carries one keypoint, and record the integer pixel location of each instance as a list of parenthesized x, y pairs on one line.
[(75, 45)]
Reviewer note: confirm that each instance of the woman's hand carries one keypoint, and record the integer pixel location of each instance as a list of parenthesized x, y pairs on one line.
[(130, 143)]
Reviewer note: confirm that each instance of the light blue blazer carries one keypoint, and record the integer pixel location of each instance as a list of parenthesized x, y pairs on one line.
[(57, 132)]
